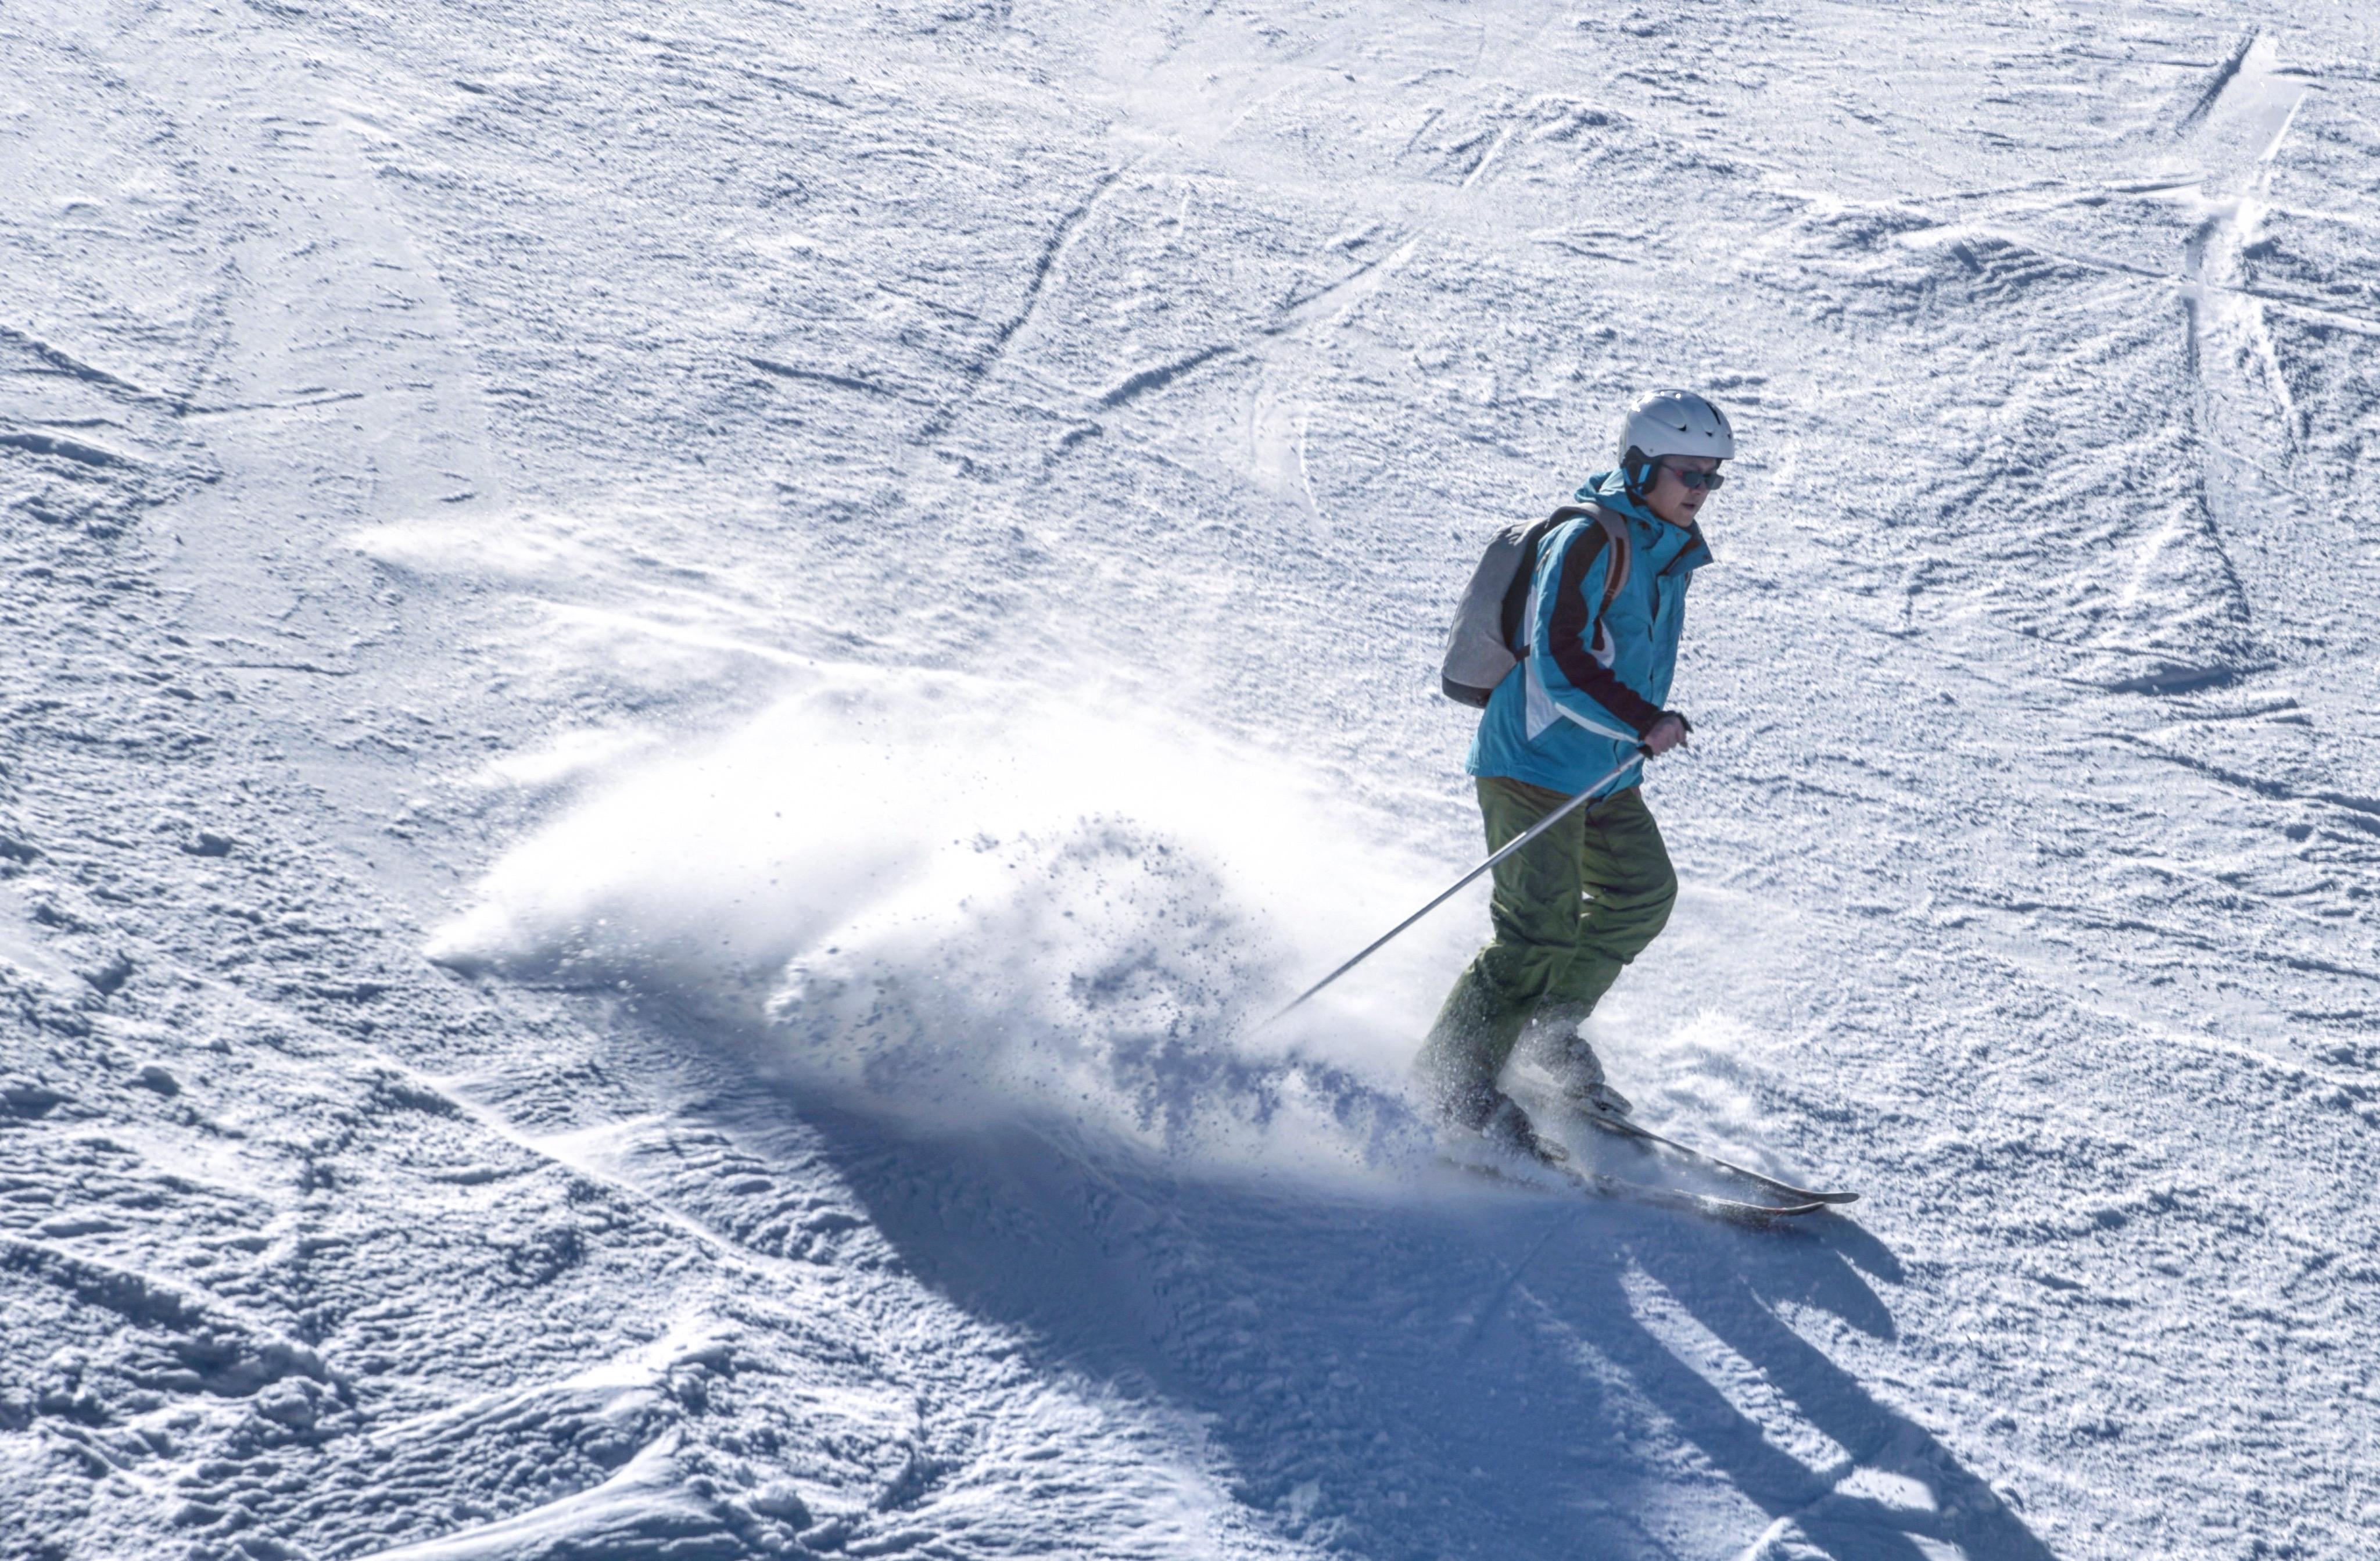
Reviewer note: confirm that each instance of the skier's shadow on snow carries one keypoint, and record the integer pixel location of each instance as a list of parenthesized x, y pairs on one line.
[(1448, 1373)]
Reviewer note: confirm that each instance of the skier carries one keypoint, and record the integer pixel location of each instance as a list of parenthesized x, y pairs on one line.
[(1576, 905)]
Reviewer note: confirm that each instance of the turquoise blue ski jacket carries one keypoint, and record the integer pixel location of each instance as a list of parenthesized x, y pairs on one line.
[(1593, 682)]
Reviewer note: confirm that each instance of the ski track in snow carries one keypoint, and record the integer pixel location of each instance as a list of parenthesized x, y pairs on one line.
[(466, 479)]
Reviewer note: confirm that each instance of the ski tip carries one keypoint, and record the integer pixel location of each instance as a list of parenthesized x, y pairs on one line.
[(1625, 1126), (1764, 1214)]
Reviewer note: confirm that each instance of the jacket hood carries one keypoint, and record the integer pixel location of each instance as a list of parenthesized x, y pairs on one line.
[(1610, 489)]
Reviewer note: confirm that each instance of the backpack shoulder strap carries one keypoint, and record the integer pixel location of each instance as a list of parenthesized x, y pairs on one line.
[(1622, 555), (1615, 536), (1516, 599)]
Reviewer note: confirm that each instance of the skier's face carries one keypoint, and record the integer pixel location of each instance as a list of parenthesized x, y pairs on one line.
[(1671, 498)]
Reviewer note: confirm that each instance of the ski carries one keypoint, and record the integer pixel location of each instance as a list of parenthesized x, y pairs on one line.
[(1735, 1211), (1602, 1184), (1622, 1127)]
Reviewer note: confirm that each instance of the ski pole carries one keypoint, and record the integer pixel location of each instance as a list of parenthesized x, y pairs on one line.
[(1518, 841)]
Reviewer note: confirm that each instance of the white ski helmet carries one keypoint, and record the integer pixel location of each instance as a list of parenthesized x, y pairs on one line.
[(1674, 423)]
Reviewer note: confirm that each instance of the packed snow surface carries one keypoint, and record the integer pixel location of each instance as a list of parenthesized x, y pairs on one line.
[(682, 681)]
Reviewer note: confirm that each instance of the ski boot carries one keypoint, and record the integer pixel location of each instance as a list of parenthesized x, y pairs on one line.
[(1497, 1117), (1579, 1073), (1509, 1129)]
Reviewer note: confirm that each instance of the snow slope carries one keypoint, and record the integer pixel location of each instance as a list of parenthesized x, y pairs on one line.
[(678, 678)]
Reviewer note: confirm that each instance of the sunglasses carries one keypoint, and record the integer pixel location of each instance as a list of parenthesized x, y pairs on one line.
[(1695, 482)]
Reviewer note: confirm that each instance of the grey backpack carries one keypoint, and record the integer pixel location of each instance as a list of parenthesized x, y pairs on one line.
[(1488, 637)]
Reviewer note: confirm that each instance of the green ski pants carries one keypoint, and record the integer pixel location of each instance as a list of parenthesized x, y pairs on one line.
[(1583, 900)]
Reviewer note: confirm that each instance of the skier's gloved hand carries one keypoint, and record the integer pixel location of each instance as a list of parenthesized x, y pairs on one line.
[(1667, 733)]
